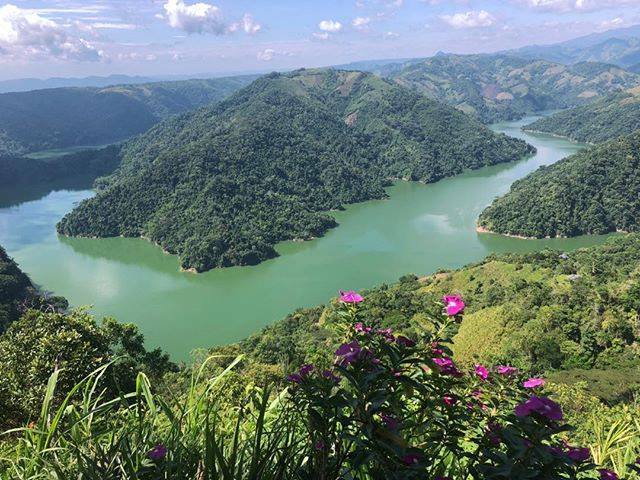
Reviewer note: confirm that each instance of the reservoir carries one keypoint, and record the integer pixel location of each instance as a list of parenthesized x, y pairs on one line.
[(419, 229)]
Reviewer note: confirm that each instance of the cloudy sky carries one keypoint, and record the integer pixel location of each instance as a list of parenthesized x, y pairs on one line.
[(161, 37)]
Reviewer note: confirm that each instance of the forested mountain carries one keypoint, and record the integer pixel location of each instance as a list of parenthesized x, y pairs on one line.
[(607, 118), (66, 117), (619, 47), (88, 163), (222, 185), (503, 87), (594, 191)]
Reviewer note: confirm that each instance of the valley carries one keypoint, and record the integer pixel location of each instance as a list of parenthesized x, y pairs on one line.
[(419, 228)]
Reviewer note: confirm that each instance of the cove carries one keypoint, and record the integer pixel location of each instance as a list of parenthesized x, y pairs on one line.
[(419, 229)]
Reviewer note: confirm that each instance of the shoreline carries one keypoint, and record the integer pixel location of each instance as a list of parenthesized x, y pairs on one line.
[(480, 229)]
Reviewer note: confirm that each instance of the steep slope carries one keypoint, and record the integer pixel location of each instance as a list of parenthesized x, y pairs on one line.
[(222, 185), (66, 117), (594, 191), (502, 87), (607, 118)]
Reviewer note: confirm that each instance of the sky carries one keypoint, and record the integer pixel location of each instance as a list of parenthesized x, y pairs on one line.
[(48, 38)]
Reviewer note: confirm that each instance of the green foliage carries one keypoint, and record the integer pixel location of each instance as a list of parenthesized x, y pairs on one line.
[(605, 119), (73, 345), (222, 185), (88, 164), (591, 192), (503, 87), (65, 117)]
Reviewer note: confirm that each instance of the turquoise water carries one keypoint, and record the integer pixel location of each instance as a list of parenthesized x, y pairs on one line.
[(419, 229)]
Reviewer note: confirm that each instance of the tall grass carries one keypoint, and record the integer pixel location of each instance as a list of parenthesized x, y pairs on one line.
[(95, 438)]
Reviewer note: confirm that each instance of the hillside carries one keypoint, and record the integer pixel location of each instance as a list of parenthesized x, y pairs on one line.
[(67, 117), (88, 163), (502, 87), (537, 311), (594, 191), (222, 185), (605, 119)]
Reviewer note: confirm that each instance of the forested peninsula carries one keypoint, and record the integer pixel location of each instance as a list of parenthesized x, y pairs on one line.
[(222, 185), (604, 119), (592, 192)]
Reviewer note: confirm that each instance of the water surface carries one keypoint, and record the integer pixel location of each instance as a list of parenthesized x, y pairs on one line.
[(419, 229)]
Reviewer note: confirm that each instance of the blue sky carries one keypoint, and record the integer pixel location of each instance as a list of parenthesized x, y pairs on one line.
[(185, 37)]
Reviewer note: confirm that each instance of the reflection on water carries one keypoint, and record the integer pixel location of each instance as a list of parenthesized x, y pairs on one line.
[(419, 229)]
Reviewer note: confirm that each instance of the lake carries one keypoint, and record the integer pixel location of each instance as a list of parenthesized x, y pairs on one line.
[(419, 229)]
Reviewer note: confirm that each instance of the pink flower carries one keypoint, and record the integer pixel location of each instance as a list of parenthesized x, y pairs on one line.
[(578, 454), (449, 400), (350, 297), (359, 327), (607, 474), (542, 406), (533, 383), (447, 367), (506, 370), (453, 304), (387, 333), (482, 372), (157, 453), (350, 352)]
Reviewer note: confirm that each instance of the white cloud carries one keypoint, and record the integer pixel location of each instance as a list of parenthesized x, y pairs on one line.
[(576, 5), (361, 22), (471, 19), (26, 34), (114, 26), (330, 26), (322, 36), (269, 54), (248, 24), (617, 22), (195, 18)]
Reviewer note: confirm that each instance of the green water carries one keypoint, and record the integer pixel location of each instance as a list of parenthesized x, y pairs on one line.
[(420, 229)]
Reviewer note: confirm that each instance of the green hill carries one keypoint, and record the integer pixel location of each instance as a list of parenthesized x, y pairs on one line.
[(67, 117), (503, 87), (594, 191), (222, 185), (88, 163), (605, 119)]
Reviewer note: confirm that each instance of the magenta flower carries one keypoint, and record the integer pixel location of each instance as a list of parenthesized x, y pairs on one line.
[(306, 370), (319, 445), (607, 474), (157, 453), (359, 327), (482, 371), (387, 333), (578, 454), (453, 304), (447, 367), (390, 421), (449, 400), (534, 383), (295, 378), (350, 297), (542, 406), (506, 370), (350, 352)]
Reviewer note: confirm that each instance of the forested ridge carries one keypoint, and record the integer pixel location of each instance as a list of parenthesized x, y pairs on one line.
[(591, 192), (89, 163), (605, 119), (222, 185), (506, 87), (78, 116)]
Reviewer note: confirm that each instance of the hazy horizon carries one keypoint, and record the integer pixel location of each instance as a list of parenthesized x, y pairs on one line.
[(67, 38)]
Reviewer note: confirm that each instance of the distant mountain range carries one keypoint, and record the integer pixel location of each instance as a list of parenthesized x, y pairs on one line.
[(68, 117), (619, 47)]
